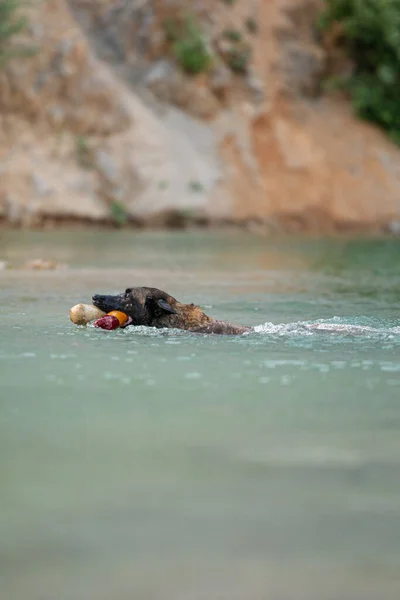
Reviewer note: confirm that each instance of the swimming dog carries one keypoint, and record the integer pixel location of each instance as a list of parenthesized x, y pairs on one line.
[(154, 308)]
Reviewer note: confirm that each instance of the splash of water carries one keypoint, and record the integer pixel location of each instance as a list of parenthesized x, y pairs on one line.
[(338, 325)]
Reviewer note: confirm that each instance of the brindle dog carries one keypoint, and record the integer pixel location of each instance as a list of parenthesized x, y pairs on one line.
[(155, 308)]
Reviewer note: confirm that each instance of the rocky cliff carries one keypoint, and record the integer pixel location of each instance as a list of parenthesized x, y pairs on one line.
[(101, 123)]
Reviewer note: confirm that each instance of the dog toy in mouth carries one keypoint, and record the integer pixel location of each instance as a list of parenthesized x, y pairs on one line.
[(112, 320), (82, 314)]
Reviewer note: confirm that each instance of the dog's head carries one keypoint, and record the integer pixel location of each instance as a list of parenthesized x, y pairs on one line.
[(144, 306)]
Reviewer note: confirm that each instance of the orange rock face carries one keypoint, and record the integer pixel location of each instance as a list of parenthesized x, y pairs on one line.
[(305, 161), (316, 168)]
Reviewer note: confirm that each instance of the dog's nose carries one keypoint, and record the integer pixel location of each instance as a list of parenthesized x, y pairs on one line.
[(95, 298)]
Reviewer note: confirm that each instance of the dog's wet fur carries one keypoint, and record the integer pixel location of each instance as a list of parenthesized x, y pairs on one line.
[(154, 308)]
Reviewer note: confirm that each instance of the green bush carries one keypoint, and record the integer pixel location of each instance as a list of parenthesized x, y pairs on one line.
[(171, 29), (233, 35), (84, 156), (119, 214), (371, 30), (238, 58), (252, 25), (191, 49), (12, 23)]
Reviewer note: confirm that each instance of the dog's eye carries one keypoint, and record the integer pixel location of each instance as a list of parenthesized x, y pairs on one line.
[(128, 291)]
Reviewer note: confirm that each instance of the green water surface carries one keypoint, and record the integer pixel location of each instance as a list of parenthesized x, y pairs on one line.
[(146, 464)]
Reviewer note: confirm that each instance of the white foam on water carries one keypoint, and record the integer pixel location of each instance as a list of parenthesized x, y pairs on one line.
[(283, 328), (324, 325)]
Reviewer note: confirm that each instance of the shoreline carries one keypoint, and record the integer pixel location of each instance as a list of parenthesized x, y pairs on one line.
[(178, 222)]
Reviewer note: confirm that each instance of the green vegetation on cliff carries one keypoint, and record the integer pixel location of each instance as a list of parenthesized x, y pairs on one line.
[(191, 49), (11, 24), (371, 32)]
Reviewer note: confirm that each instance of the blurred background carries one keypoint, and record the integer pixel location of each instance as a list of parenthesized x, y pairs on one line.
[(243, 155), (273, 115)]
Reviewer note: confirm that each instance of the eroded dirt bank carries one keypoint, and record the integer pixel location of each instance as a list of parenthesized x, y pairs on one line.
[(101, 126)]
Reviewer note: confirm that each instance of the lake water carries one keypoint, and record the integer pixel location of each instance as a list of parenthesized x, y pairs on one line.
[(144, 464)]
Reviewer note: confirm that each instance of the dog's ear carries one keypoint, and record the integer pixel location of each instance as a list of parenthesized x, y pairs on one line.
[(165, 306)]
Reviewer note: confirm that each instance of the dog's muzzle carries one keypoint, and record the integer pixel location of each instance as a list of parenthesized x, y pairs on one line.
[(107, 303)]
